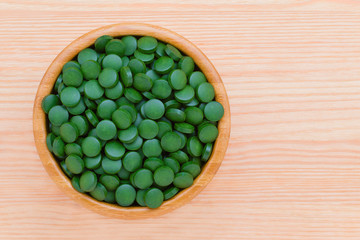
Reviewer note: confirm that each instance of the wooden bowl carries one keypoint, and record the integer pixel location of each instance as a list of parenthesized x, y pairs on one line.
[(52, 166)]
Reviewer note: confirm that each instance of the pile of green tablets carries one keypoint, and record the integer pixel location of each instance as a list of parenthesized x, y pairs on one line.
[(131, 120)]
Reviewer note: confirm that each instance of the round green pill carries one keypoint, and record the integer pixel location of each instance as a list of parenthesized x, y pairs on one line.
[(72, 77), (55, 129), (93, 90), (184, 128), (132, 161), (183, 180), (175, 115), (110, 182), (81, 88), (130, 109), (163, 65), (112, 61), (185, 95), (75, 182), (115, 46), (61, 87), (65, 170), (105, 130), (132, 95), (164, 176), (173, 52), (108, 78), (90, 104), (121, 118), (130, 45), (194, 146), (128, 135), (125, 61), (99, 193), (172, 104), (177, 79), (50, 140), (192, 168), (140, 197), (187, 65), (147, 44), (92, 162), (164, 127), (197, 161), (126, 76), (106, 108), (86, 55), (91, 116), (58, 115), (154, 198), (125, 195), (183, 139), (205, 92), (122, 101), (145, 57), (208, 133), (153, 163), (148, 95), (194, 115), (154, 109), (180, 156), (110, 197), (71, 64), (123, 174), (171, 192), (70, 96), (206, 152), (101, 42), (77, 109), (90, 69), (91, 146), (152, 148), (171, 142), (173, 164), (143, 178), (148, 129), (161, 89), (88, 181), (213, 111), (135, 145), (115, 92), (193, 103), (196, 78), (137, 66), (101, 58), (160, 49), (111, 166), (49, 101), (152, 74), (68, 132), (142, 82), (99, 171), (58, 147), (73, 148), (74, 164), (114, 150)]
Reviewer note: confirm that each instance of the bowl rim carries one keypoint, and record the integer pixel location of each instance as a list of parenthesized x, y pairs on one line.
[(137, 29)]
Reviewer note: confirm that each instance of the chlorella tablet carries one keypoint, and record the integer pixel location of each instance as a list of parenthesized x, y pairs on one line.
[(132, 120)]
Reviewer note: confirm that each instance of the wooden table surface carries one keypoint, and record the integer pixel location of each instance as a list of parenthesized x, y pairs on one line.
[(292, 72)]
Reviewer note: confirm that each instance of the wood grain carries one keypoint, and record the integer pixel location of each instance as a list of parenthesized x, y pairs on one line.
[(292, 73), (117, 30)]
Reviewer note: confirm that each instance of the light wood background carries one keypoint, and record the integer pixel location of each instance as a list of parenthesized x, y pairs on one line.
[(292, 72)]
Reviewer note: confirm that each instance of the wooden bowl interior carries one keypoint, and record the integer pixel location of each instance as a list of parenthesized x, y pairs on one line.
[(52, 166)]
